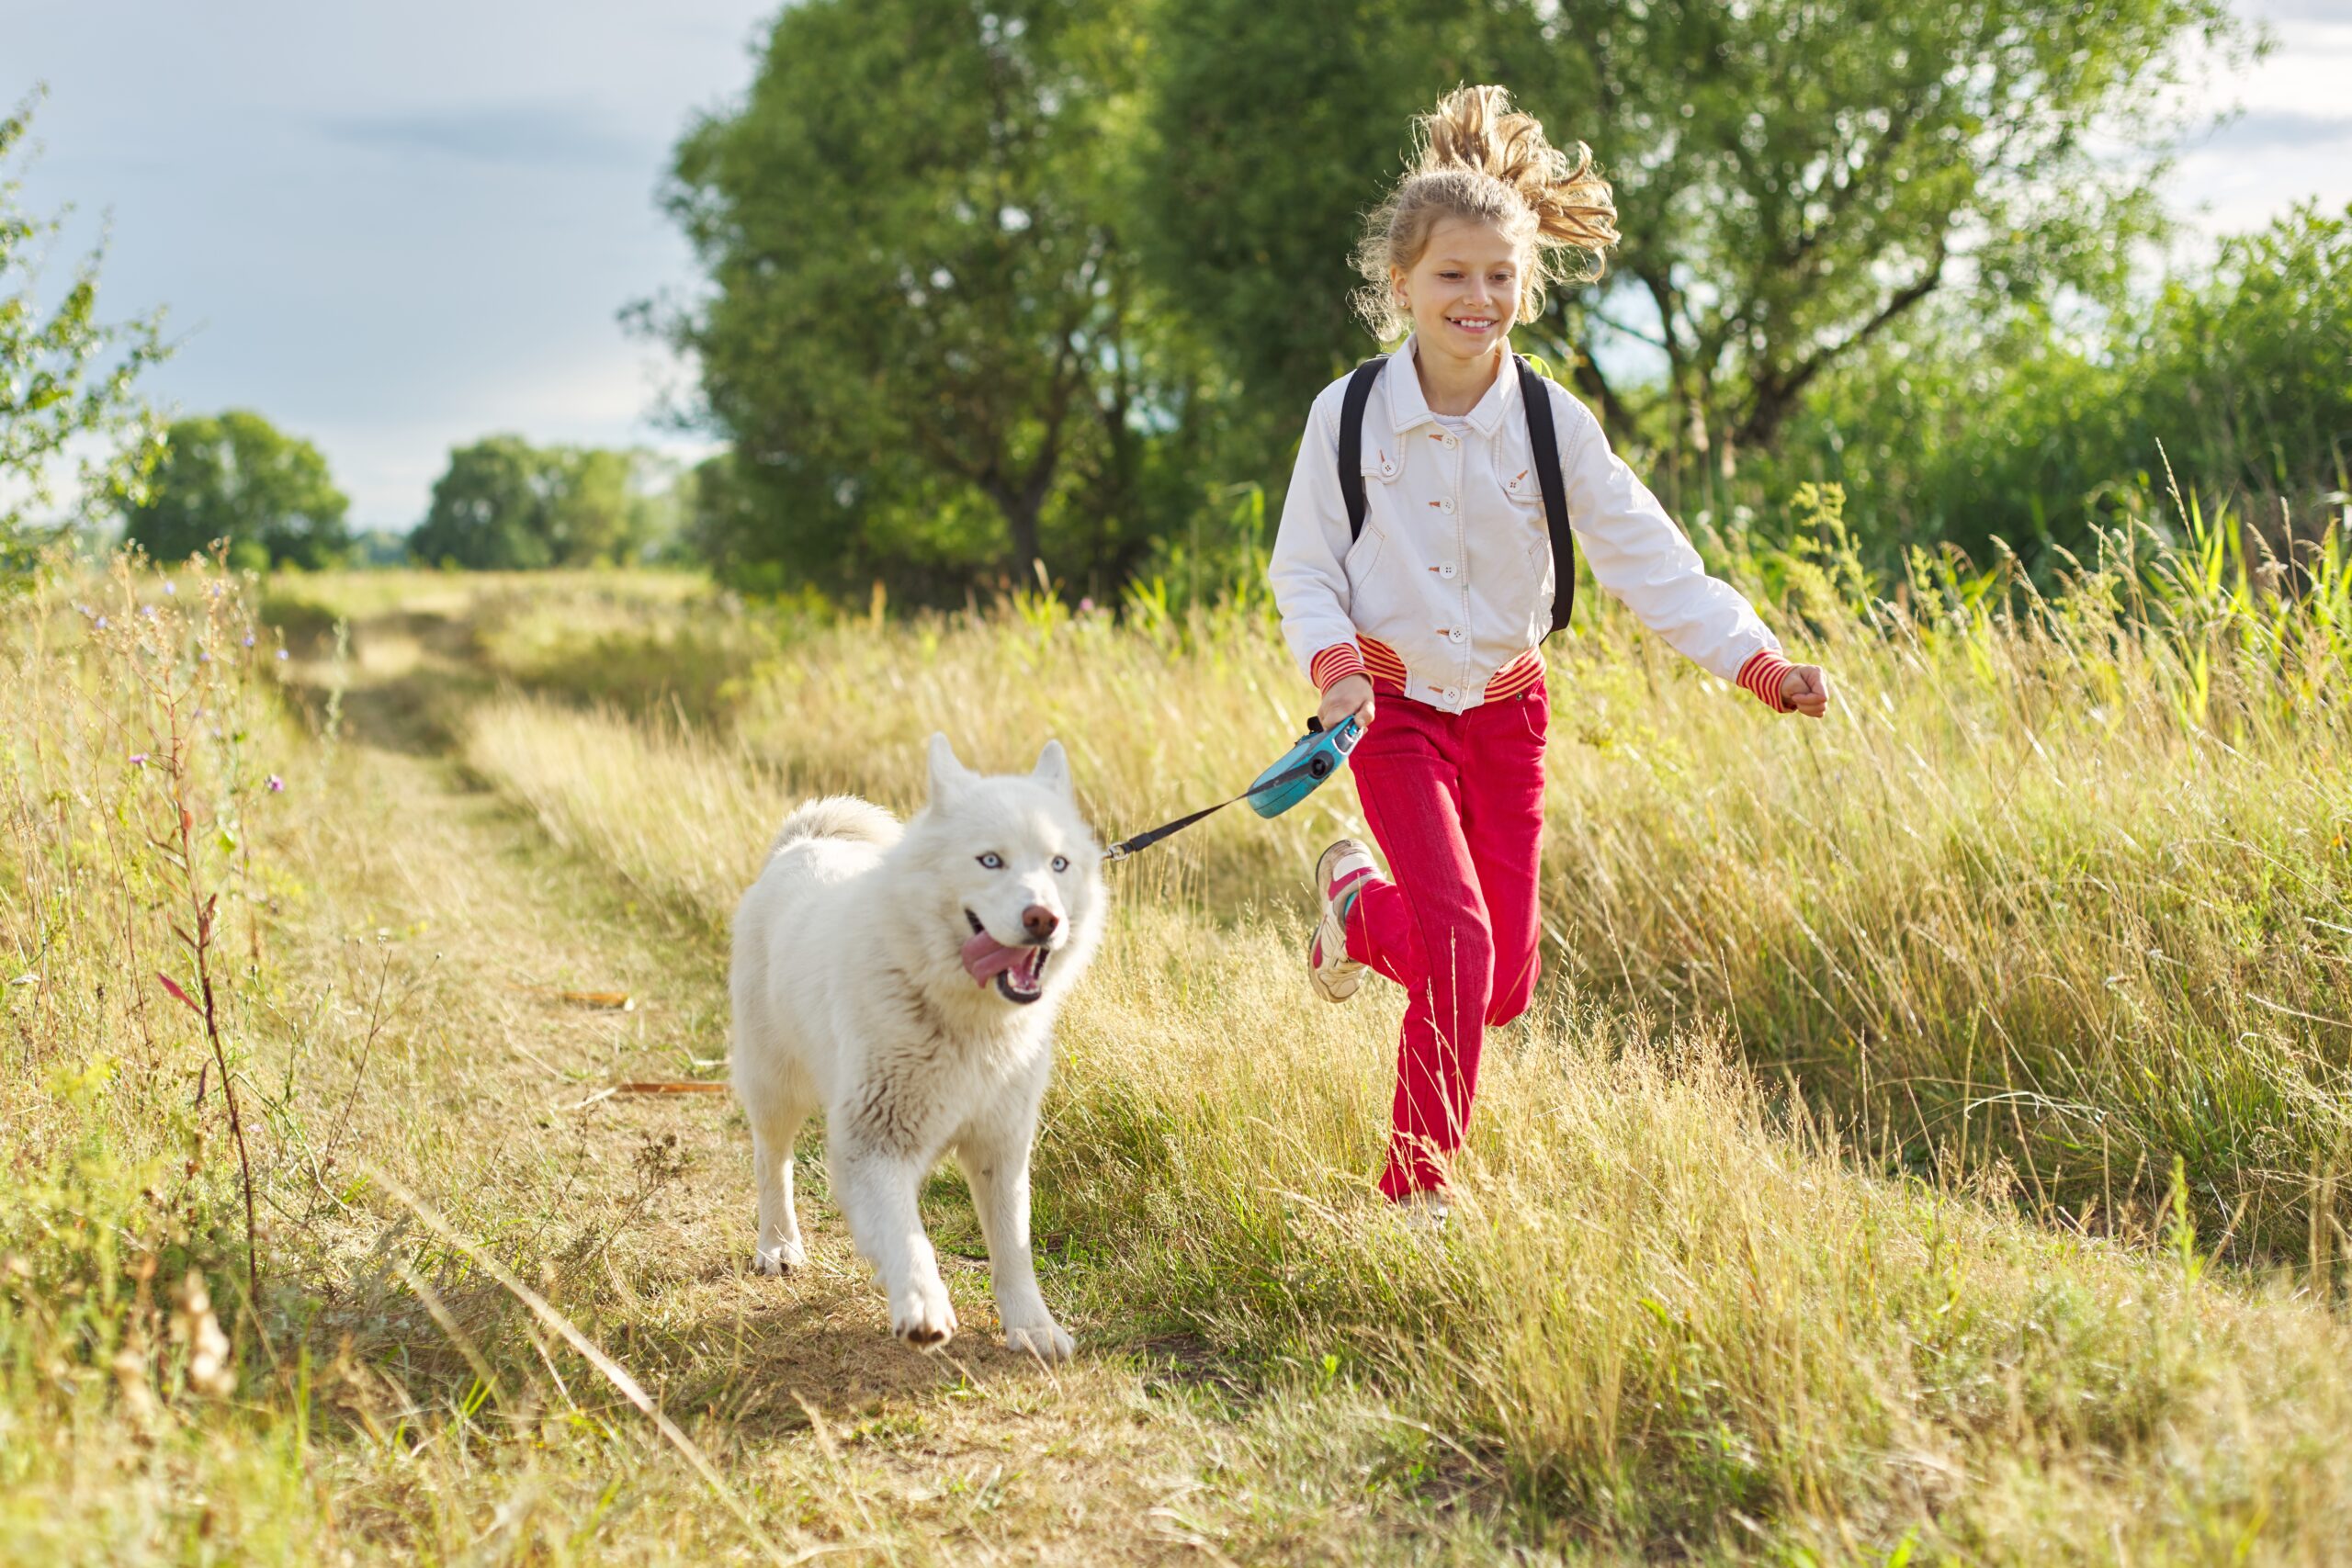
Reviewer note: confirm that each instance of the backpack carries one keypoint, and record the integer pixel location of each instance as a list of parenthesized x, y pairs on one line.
[(1540, 433)]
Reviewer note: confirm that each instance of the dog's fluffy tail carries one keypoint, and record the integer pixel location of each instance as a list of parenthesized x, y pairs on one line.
[(837, 816)]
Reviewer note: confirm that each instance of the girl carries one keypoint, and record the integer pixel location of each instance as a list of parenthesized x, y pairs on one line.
[(1429, 619)]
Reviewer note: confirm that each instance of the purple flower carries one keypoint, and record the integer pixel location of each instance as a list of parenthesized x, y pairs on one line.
[(1086, 605), (148, 611), (139, 759), (102, 623), (202, 657), (276, 784), (170, 588), (249, 640), (281, 654)]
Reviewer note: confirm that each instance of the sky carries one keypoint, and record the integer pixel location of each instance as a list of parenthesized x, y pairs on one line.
[(396, 229)]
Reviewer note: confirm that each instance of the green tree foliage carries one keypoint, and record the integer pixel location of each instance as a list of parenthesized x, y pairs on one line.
[(921, 335), (1794, 177), (505, 505), (73, 433), (2247, 376), (1059, 279), (239, 478), (1973, 425)]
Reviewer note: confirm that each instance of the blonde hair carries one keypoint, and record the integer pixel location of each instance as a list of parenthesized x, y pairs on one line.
[(1477, 157)]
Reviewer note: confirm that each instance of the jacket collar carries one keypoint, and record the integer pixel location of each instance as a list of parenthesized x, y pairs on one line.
[(1407, 408)]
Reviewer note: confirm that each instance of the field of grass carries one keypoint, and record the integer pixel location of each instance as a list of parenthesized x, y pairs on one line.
[(1929, 1144)]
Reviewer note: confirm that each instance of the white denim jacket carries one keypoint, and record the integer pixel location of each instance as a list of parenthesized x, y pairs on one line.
[(1454, 570)]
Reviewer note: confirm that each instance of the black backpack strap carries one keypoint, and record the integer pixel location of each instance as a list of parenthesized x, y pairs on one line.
[(1351, 440), (1541, 436)]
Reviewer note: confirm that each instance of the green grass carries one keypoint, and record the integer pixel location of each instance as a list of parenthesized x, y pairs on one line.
[(1927, 1144)]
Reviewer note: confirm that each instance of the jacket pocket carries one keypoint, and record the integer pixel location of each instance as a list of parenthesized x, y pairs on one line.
[(1371, 596), (1520, 481)]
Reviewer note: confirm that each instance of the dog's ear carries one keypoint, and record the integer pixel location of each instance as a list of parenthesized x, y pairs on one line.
[(947, 774), (1053, 767)]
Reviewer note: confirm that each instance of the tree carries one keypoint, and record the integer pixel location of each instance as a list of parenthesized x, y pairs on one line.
[(505, 505), (1968, 425), (489, 510), (1792, 176), (72, 429), (919, 333), (239, 478)]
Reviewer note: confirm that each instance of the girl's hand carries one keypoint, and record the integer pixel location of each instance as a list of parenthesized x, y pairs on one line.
[(1804, 689), (1351, 695)]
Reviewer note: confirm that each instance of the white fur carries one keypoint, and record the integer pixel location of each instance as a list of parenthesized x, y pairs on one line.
[(850, 996)]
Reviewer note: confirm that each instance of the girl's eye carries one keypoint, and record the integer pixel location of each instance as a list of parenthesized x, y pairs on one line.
[(1061, 862), (993, 861)]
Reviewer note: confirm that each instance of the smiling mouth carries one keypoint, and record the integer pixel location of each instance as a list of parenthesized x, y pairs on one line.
[(1019, 972), (1472, 324)]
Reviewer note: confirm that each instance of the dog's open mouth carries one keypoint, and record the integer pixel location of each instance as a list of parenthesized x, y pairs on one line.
[(1019, 972)]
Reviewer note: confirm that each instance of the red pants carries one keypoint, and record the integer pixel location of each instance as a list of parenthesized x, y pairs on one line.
[(1456, 802)]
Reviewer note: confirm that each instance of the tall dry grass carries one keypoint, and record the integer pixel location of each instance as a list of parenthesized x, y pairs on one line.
[(476, 1272), (1926, 1145), (1669, 1309), (2042, 929), (2064, 886)]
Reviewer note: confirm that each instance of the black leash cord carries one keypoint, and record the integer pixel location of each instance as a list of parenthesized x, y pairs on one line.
[(1126, 847)]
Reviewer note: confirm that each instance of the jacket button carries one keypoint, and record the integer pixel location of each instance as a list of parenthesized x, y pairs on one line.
[(1451, 442), (1457, 635), (1446, 505), (1446, 570)]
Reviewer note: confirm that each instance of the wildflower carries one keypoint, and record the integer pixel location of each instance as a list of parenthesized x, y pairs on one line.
[(101, 624), (1086, 605), (249, 640), (139, 759), (276, 784), (170, 587), (282, 654), (202, 657)]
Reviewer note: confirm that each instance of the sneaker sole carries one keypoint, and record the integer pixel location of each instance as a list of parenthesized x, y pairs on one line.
[(1333, 985)]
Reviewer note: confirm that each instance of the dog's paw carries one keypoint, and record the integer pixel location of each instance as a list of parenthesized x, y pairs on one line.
[(926, 1319), (1046, 1340), (782, 1258)]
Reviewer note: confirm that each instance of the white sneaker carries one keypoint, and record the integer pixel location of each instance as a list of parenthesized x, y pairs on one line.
[(1424, 1211), (1339, 877)]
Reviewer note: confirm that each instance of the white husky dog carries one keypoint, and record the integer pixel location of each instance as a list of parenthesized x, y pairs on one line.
[(904, 981)]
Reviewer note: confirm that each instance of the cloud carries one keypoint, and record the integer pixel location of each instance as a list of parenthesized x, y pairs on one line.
[(2275, 130), (2296, 10), (569, 135)]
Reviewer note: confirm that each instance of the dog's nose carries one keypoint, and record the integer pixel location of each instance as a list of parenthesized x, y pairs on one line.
[(1039, 922)]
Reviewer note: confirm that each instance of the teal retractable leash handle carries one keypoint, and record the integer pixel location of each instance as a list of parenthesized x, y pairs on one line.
[(1295, 775)]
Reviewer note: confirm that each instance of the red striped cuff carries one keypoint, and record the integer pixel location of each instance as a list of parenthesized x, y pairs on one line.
[(1761, 674), (1334, 664)]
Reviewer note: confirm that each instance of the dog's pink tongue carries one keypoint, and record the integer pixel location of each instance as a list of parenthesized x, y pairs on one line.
[(985, 957)]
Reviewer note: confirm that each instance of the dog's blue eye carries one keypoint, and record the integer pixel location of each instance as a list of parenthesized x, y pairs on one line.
[(1061, 862), (993, 862)]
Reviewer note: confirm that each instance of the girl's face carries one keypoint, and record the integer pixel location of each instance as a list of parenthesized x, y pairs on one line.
[(1464, 292)]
